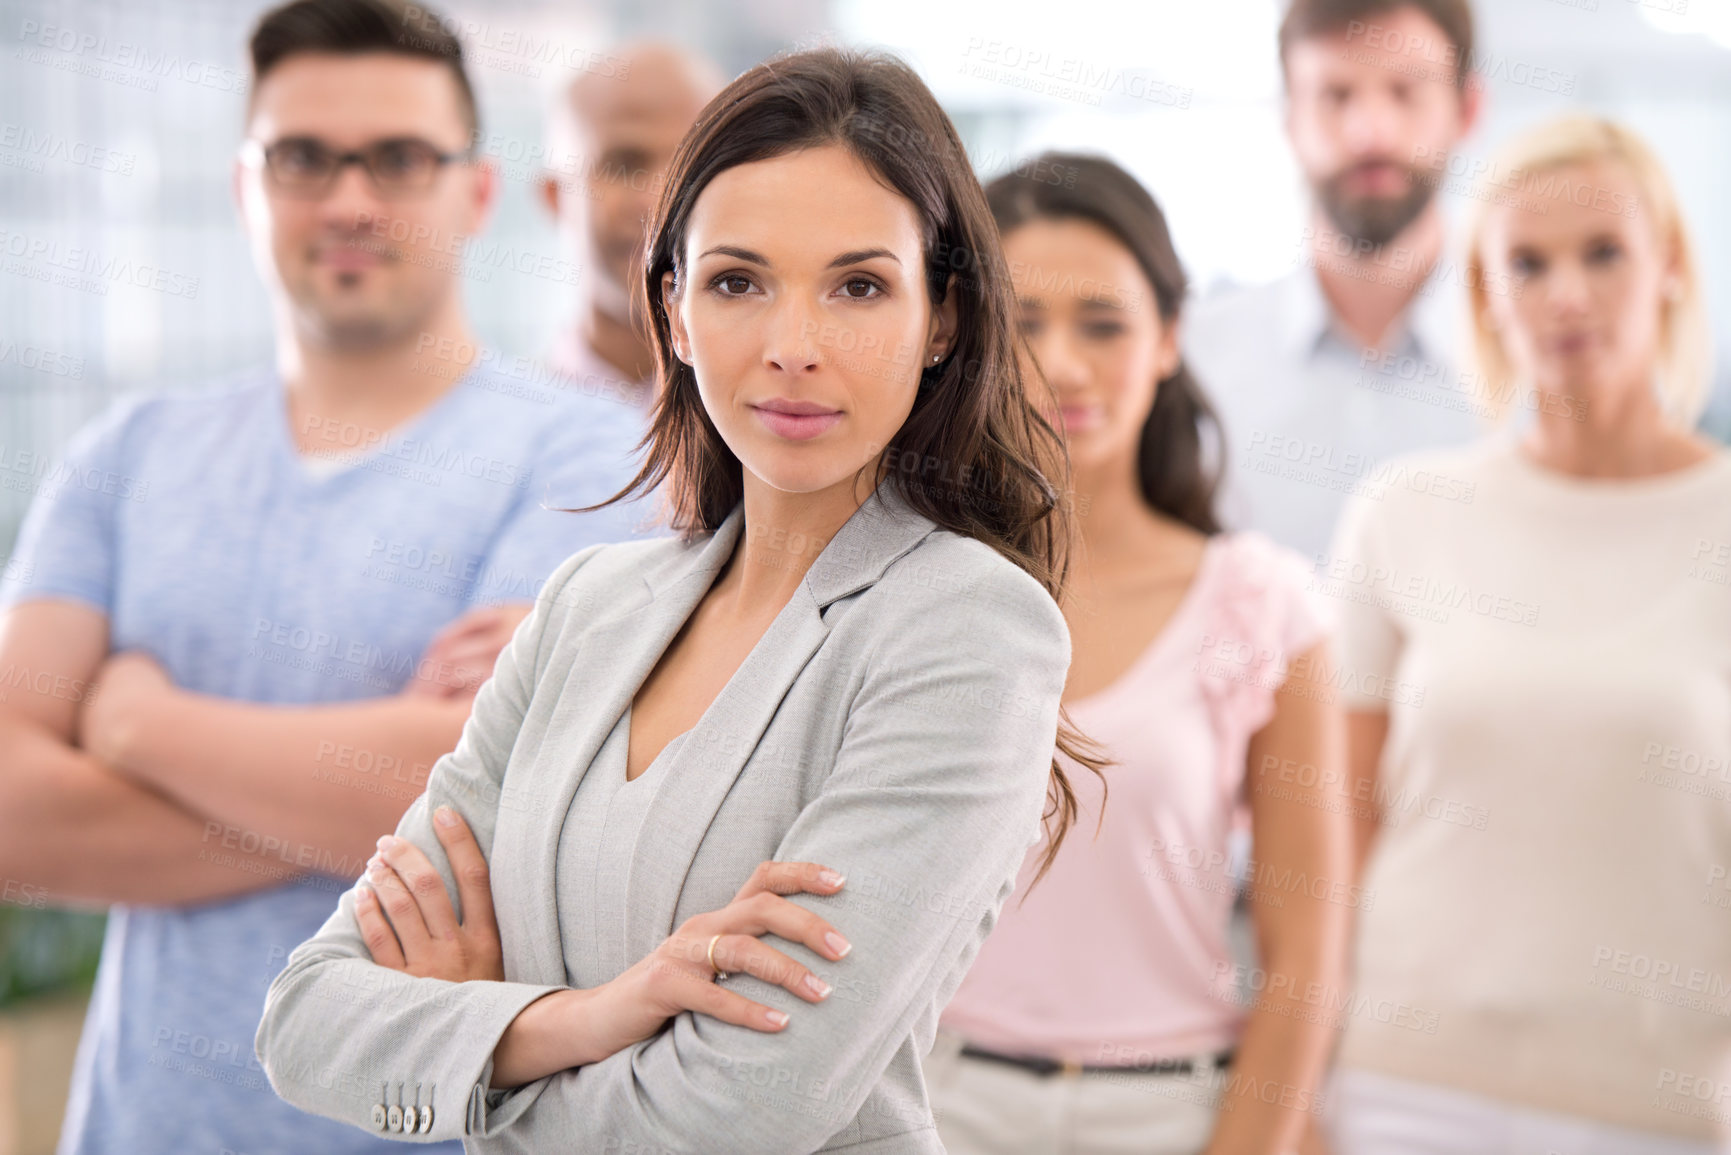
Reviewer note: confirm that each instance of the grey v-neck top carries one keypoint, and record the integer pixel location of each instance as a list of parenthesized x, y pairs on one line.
[(596, 849)]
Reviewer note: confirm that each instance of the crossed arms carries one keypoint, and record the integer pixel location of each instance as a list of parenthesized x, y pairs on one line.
[(115, 786)]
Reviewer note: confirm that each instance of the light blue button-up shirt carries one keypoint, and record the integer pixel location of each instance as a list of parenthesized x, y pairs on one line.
[(1311, 417)]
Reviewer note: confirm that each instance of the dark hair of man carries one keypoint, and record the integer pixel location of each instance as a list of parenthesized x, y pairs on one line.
[(353, 27), (1309, 19)]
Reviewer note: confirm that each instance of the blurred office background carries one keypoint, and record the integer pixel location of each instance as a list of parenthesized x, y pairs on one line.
[(119, 120)]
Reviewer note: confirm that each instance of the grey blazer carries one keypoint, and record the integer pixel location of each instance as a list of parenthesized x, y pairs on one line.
[(895, 722)]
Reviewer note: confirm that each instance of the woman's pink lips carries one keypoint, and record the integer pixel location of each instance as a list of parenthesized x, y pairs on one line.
[(796, 426), (1075, 417)]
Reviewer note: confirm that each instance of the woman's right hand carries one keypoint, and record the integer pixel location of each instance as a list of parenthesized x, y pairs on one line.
[(573, 1028), (677, 976)]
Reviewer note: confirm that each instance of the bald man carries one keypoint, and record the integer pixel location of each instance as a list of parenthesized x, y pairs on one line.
[(610, 142)]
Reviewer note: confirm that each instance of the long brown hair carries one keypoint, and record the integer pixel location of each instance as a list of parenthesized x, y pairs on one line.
[(1179, 473), (1002, 470)]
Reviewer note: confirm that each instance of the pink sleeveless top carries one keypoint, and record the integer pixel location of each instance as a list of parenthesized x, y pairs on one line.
[(1120, 955)]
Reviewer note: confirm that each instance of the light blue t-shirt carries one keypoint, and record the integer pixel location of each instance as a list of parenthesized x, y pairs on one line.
[(250, 573)]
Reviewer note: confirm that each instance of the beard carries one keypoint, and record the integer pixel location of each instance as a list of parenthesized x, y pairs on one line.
[(349, 326), (1373, 220), (351, 334), (347, 313)]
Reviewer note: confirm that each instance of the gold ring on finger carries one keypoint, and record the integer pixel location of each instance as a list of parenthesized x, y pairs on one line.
[(719, 973)]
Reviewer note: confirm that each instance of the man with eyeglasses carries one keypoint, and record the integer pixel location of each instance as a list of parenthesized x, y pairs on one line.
[(285, 591)]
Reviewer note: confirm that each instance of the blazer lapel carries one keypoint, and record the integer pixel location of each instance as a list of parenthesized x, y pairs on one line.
[(612, 661), (703, 769)]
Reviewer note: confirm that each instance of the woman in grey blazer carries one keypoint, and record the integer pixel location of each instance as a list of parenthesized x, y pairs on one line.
[(853, 656)]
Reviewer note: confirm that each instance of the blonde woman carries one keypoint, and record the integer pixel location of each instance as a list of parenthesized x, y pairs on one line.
[(1549, 830)]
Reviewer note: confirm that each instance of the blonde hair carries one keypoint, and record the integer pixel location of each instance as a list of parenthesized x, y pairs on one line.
[(1685, 342)]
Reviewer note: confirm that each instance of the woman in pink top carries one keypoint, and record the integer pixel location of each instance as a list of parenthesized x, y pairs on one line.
[(1106, 1012)]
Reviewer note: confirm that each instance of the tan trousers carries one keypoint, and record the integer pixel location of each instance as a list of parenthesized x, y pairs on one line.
[(988, 1108)]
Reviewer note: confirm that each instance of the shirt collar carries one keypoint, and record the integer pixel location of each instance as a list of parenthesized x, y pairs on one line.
[(1305, 315), (1430, 320), (1433, 319)]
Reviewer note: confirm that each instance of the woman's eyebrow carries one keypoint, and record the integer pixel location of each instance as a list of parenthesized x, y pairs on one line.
[(856, 256), (852, 257), (736, 253)]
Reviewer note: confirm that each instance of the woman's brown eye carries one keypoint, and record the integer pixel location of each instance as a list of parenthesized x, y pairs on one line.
[(867, 287), (735, 286)]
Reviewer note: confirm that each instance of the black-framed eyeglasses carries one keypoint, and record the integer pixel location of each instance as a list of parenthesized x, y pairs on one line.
[(303, 166)]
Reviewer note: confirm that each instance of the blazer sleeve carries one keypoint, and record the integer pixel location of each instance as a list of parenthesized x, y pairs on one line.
[(933, 803), (341, 1033)]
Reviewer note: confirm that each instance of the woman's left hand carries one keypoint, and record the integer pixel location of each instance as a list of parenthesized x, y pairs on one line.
[(427, 941)]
